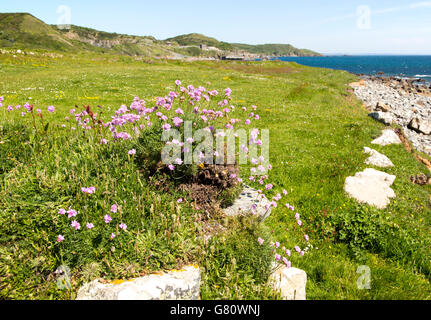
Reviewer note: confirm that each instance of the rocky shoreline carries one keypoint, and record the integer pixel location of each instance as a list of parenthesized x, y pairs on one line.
[(405, 102)]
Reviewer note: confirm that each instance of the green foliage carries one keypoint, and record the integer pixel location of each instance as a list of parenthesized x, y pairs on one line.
[(275, 50), (236, 265)]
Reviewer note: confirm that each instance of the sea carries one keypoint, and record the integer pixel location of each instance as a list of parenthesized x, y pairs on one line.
[(399, 66)]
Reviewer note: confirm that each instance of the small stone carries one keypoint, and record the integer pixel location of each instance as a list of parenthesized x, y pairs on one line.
[(388, 137), (250, 202), (383, 117), (371, 187), (420, 126), (290, 282), (382, 107), (377, 159)]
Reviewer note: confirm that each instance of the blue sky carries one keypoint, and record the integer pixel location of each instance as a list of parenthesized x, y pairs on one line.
[(328, 26)]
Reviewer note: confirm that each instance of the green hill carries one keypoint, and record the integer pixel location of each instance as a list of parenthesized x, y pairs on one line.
[(196, 39), (24, 31), (275, 50)]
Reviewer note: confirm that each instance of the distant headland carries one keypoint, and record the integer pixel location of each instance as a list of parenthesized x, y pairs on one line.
[(24, 31)]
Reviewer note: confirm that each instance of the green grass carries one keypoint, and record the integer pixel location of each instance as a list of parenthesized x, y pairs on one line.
[(317, 132)]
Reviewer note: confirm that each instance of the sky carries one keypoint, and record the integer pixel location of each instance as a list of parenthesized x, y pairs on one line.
[(326, 26)]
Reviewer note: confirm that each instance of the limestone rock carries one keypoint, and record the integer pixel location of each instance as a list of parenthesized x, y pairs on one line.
[(420, 126), (290, 282), (372, 187), (250, 202), (383, 117), (377, 159), (382, 107), (174, 285), (388, 137)]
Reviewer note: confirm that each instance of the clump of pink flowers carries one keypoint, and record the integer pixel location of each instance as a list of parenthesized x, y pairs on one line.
[(90, 190)]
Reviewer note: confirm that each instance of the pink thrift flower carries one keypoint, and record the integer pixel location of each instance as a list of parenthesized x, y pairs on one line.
[(177, 82), (261, 241), (307, 238), (107, 218), (123, 226), (269, 186), (60, 238), (171, 167), (277, 257), (114, 208), (71, 213), (76, 225), (90, 226), (288, 253), (62, 212), (132, 152), (297, 249), (180, 201), (51, 109), (113, 236), (300, 223), (277, 245), (287, 263), (89, 190)]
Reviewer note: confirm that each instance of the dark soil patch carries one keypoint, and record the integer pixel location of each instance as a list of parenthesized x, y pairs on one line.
[(211, 189)]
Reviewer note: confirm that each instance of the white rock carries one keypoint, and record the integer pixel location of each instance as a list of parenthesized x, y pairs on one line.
[(372, 187), (174, 285), (250, 202), (377, 159), (290, 282), (383, 117), (388, 137)]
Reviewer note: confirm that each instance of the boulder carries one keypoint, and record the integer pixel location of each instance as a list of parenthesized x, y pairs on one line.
[(250, 202), (371, 187), (174, 285), (420, 126), (388, 137), (382, 107), (383, 117), (290, 282), (377, 159)]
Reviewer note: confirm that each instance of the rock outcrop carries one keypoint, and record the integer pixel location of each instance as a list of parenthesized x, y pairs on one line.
[(377, 159), (174, 285), (371, 187), (250, 202), (388, 137)]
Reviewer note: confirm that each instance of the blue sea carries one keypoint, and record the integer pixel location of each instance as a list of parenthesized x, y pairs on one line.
[(402, 66)]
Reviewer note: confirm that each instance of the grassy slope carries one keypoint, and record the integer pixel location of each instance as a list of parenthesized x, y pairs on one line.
[(275, 49), (317, 134), (22, 30)]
